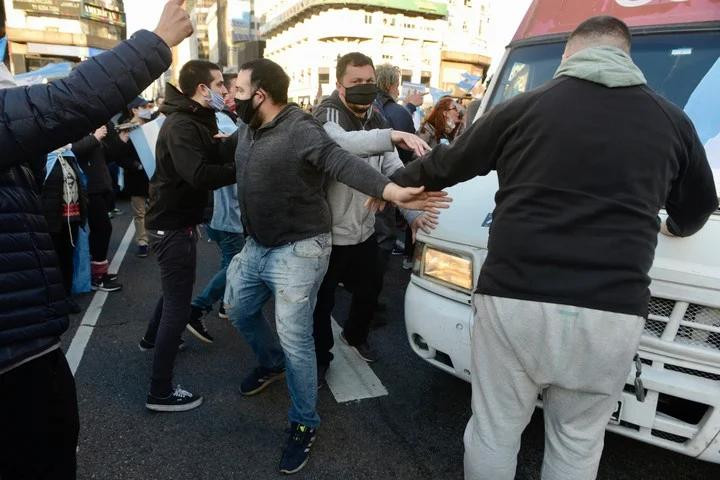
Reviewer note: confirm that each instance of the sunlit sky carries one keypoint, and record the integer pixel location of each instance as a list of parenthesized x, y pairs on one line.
[(505, 15)]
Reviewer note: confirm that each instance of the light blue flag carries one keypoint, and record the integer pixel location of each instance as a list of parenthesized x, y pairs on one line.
[(468, 81), (437, 94)]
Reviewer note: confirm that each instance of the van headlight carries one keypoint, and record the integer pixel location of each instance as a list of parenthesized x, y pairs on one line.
[(451, 268)]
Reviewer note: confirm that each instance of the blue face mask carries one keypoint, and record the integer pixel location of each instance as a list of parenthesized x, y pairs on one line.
[(216, 101)]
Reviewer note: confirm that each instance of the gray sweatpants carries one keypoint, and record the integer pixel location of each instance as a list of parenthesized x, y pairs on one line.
[(577, 358)]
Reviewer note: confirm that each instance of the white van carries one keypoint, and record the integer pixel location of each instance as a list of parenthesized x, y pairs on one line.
[(677, 45)]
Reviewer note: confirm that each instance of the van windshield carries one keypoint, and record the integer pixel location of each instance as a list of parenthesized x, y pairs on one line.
[(682, 67)]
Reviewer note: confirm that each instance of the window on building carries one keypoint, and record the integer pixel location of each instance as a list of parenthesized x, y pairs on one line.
[(323, 76), (368, 18), (465, 27), (468, 3), (425, 78), (406, 75)]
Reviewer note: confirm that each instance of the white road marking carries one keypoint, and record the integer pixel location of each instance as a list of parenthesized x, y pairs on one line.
[(350, 377), (89, 320)]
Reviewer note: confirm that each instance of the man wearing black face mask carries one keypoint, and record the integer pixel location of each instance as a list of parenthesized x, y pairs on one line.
[(349, 113), (283, 161), (191, 161)]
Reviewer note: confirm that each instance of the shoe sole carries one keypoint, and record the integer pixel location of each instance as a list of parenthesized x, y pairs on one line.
[(174, 408), (357, 352), (302, 465), (181, 347), (199, 335), (105, 289), (265, 385)]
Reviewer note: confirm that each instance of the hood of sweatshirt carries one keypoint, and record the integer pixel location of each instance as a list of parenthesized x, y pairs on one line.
[(176, 102), (608, 66)]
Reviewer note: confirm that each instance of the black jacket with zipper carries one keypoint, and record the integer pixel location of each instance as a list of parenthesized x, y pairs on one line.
[(124, 154), (583, 172), (35, 120), (190, 163), (90, 155)]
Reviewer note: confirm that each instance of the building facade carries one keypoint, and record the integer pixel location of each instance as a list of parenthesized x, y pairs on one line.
[(307, 36), (50, 31)]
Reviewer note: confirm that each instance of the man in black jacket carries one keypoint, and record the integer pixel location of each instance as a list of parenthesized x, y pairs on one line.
[(585, 163), (38, 408), (189, 165)]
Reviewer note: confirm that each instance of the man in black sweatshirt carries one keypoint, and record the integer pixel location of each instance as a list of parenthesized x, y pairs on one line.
[(585, 163), (191, 161)]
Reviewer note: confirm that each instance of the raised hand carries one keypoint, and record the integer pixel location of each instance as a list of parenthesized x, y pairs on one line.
[(409, 141), (415, 98), (174, 25), (416, 198), (425, 222), (100, 133)]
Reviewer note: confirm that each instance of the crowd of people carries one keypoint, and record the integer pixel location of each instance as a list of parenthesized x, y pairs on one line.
[(304, 202)]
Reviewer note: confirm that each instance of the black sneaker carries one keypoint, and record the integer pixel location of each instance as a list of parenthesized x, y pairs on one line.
[(178, 401), (322, 376), (142, 251), (364, 351), (144, 345), (259, 380), (297, 449), (112, 276), (105, 284), (222, 313), (197, 327)]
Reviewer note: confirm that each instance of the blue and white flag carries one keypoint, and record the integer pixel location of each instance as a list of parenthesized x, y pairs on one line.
[(144, 139), (437, 94), (52, 158), (468, 82)]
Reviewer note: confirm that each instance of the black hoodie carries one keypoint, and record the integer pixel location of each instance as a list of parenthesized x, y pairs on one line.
[(190, 163)]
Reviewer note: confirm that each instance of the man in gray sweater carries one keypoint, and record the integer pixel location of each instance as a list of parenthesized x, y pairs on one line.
[(282, 163)]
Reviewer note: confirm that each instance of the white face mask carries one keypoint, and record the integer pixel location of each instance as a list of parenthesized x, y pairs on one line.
[(145, 114)]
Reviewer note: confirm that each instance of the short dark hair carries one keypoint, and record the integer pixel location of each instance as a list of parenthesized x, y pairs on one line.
[(602, 26), (356, 59), (194, 73), (229, 77), (269, 76)]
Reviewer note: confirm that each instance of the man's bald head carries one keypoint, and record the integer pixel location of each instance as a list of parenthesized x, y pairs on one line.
[(598, 31)]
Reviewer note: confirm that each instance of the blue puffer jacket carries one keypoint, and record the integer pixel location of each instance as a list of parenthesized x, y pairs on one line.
[(33, 121)]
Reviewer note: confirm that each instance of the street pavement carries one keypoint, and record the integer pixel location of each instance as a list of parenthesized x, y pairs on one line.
[(414, 432)]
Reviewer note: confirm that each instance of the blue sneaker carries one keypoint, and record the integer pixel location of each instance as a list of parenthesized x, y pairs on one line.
[(297, 450)]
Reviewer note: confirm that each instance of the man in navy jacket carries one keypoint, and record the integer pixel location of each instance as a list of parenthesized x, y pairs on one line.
[(38, 407)]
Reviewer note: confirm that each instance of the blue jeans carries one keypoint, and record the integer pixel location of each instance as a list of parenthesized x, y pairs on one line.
[(292, 274), (230, 244)]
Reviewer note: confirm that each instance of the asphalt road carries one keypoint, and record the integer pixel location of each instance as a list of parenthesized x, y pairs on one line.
[(415, 432)]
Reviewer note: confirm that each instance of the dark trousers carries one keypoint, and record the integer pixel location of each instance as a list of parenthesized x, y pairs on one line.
[(64, 249), (113, 168), (176, 253), (355, 266), (383, 258), (99, 204), (39, 420)]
